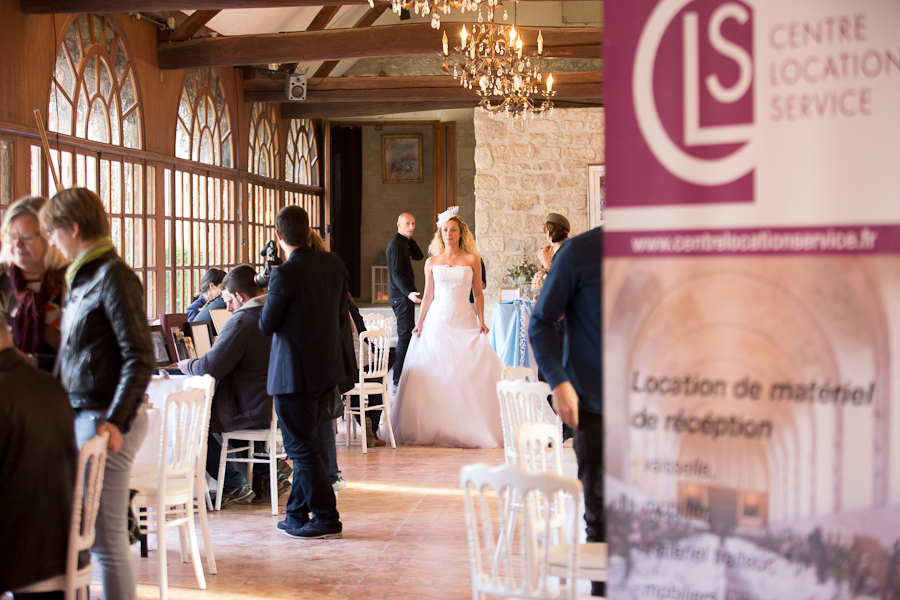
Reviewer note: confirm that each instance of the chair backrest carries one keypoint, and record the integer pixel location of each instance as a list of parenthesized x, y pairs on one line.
[(514, 373), (539, 448), (372, 320), (378, 342), (207, 383), (184, 423), (86, 500), (520, 402), (388, 324), (507, 558)]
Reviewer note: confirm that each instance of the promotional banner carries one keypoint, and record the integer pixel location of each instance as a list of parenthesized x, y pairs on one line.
[(752, 299)]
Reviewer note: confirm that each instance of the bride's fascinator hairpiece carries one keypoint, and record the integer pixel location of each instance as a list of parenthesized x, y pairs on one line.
[(447, 215)]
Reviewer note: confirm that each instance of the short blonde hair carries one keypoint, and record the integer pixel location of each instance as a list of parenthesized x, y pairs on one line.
[(77, 205), (29, 207), (466, 241)]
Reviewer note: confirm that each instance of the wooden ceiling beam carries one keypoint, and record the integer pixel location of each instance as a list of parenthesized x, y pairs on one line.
[(192, 25), (367, 20), (580, 91), (319, 22), (334, 110), (336, 44), (276, 83), (35, 7)]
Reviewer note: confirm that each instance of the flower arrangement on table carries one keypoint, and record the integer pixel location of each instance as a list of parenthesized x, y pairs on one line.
[(522, 271)]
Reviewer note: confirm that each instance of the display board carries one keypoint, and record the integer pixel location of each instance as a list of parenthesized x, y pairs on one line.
[(752, 299)]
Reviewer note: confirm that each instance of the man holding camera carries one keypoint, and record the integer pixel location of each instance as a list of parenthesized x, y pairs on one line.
[(307, 298)]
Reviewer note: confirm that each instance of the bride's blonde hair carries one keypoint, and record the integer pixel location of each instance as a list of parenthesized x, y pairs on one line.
[(466, 241)]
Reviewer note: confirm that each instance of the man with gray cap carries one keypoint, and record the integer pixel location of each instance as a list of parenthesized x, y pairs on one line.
[(557, 231)]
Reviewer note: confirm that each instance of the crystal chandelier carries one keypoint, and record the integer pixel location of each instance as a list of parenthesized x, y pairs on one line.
[(492, 63), (435, 7)]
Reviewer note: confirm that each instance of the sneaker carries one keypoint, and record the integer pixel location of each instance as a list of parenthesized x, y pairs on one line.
[(317, 530), (285, 468), (261, 489), (237, 495), (285, 525), (339, 484), (284, 485)]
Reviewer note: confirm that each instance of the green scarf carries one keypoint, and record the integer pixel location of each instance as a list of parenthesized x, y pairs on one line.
[(98, 248)]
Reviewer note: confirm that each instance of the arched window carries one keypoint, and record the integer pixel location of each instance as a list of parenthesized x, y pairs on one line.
[(263, 143), (300, 158), (203, 133), (93, 94)]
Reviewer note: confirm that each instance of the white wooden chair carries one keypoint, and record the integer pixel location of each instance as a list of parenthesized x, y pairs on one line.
[(207, 383), (372, 320), (520, 402), (518, 565), (539, 447), (85, 503), (514, 373), (173, 491), (274, 450), (388, 324), (377, 343)]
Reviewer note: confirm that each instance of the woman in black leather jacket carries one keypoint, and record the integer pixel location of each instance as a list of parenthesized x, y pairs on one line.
[(105, 364)]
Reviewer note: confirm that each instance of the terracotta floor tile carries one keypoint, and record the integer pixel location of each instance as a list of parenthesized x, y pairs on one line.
[(404, 538)]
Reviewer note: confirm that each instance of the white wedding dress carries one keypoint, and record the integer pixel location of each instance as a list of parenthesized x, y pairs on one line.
[(447, 393)]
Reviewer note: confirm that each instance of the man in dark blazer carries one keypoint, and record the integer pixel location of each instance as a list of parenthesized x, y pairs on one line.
[(306, 301), (401, 250)]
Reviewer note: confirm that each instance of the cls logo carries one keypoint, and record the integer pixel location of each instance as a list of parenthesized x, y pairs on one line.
[(711, 141)]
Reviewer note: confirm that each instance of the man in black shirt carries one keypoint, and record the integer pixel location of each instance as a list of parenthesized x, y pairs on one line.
[(401, 251)]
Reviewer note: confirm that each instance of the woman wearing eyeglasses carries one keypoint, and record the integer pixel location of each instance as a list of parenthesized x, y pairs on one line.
[(32, 282)]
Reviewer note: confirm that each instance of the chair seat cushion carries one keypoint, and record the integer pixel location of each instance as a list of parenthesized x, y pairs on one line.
[(593, 555), (368, 388)]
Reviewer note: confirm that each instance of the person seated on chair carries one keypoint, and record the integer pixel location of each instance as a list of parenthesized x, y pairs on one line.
[(239, 361), (209, 298), (38, 461)]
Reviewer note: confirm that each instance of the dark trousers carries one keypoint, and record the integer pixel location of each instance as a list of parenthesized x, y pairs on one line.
[(405, 311), (588, 446), (311, 490)]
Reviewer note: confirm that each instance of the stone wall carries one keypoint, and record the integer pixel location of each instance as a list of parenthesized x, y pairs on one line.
[(383, 202), (525, 169)]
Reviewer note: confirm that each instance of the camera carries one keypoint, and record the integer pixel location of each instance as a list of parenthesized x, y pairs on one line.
[(270, 251)]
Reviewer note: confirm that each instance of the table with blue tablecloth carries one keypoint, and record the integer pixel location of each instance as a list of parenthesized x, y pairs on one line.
[(509, 333)]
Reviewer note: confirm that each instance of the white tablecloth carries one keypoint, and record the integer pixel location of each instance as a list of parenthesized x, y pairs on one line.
[(157, 391)]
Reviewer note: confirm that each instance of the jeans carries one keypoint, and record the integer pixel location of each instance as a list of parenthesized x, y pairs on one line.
[(405, 311), (111, 549), (588, 446), (311, 490), (233, 476), (328, 450)]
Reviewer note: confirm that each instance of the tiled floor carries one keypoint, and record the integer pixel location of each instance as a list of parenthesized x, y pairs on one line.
[(404, 537)]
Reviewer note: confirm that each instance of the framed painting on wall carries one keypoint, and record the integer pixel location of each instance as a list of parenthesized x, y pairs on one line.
[(596, 193), (401, 158)]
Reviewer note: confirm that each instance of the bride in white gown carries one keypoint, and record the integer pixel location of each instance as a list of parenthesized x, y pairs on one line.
[(447, 393)]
